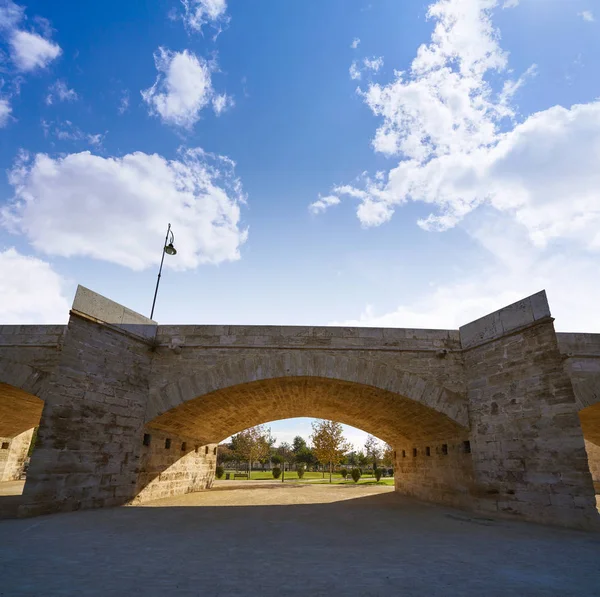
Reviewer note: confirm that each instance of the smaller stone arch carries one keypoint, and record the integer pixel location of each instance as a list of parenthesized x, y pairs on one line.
[(366, 393), (21, 388)]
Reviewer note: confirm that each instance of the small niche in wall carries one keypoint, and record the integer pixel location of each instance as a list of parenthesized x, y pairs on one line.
[(427, 451), (403, 453), (206, 449), (414, 452), (445, 449), (215, 451), (5, 445), (183, 446), (467, 447), (147, 439), (167, 444)]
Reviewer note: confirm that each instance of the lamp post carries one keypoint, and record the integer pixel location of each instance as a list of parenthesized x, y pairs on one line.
[(169, 249)]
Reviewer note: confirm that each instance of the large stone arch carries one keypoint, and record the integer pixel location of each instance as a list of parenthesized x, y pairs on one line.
[(366, 393)]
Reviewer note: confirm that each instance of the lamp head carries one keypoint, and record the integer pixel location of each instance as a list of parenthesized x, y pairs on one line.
[(170, 249)]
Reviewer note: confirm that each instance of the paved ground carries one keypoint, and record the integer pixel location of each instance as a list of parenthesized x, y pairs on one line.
[(309, 540)]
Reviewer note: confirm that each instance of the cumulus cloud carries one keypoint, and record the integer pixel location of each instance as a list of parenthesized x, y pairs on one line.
[(183, 87), (354, 71), (221, 103), (61, 92), (373, 64), (323, 203), (368, 64), (355, 43), (587, 15), (29, 50), (462, 149), (198, 13), (5, 111), (22, 302), (443, 120), (83, 205)]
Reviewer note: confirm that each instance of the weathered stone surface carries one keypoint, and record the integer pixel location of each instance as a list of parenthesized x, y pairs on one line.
[(495, 404), (13, 453), (182, 467)]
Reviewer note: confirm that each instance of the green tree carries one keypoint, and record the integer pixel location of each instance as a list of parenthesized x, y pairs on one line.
[(253, 444), (306, 457), (286, 453), (298, 444), (373, 450), (329, 443)]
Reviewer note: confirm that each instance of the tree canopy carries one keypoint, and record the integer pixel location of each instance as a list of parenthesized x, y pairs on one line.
[(329, 443)]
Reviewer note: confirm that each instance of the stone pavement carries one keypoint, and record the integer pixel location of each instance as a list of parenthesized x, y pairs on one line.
[(310, 540)]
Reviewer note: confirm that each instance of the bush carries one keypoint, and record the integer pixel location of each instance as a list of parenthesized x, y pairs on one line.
[(344, 473), (276, 472), (356, 474), (390, 472), (301, 470), (219, 472), (377, 473)]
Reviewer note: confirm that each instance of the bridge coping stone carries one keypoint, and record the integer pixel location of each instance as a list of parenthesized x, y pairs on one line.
[(508, 319)]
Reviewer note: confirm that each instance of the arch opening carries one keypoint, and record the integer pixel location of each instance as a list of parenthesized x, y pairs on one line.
[(590, 425), (20, 414), (404, 423)]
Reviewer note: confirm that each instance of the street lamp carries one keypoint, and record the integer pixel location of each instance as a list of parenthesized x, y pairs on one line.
[(169, 249)]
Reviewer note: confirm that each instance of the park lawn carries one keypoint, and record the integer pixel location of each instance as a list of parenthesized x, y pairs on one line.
[(315, 477), (291, 475)]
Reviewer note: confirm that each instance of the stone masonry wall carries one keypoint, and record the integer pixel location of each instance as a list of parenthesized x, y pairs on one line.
[(12, 458), (173, 465), (528, 451), (435, 471), (91, 430)]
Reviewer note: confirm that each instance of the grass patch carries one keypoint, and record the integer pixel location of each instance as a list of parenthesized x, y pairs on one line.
[(312, 477)]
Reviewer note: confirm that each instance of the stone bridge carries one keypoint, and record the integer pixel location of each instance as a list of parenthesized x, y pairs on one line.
[(490, 417)]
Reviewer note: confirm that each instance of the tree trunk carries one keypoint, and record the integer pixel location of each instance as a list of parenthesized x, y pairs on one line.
[(330, 471)]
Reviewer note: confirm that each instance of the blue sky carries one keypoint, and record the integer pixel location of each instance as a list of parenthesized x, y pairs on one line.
[(347, 161)]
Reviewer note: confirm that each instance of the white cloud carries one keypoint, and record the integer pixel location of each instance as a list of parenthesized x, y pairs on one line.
[(124, 103), (221, 103), (323, 203), (373, 64), (587, 15), (20, 284), (83, 204), (30, 51), (354, 71), (443, 120), (60, 91), (5, 111), (182, 89), (10, 15), (355, 43), (463, 151), (198, 13), (508, 269), (67, 131)]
